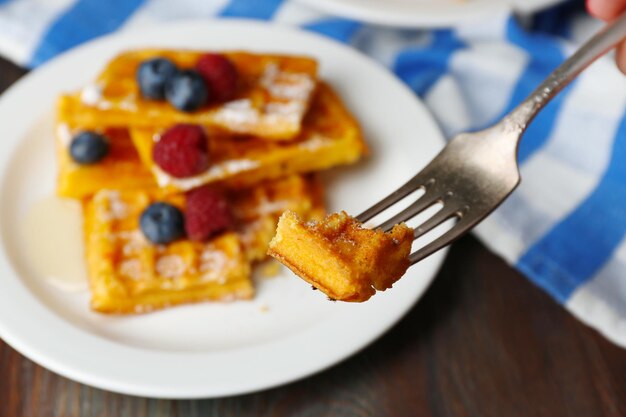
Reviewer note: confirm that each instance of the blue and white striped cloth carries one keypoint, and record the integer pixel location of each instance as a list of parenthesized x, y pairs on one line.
[(564, 228)]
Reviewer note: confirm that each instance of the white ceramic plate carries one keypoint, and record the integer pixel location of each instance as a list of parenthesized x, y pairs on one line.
[(425, 13), (207, 350)]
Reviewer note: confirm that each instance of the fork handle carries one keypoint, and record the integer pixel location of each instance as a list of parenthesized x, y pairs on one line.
[(597, 46)]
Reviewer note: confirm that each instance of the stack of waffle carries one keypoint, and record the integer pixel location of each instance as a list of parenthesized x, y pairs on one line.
[(265, 144)]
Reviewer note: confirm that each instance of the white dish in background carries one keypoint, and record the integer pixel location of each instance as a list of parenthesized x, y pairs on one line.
[(205, 350), (425, 13)]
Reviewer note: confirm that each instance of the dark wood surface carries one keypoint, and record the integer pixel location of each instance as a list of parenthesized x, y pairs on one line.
[(483, 341)]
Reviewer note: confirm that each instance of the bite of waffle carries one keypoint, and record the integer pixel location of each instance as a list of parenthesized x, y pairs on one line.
[(340, 257), (184, 162)]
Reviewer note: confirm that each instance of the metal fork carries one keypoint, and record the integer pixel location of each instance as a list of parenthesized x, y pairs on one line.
[(477, 171)]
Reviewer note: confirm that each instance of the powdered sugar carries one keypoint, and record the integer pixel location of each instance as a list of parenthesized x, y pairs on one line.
[(127, 104), (130, 268), (216, 172), (213, 264), (91, 94), (290, 94), (238, 112), (287, 85), (64, 134), (315, 142), (170, 266), (289, 113), (115, 210), (133, 242), (264, 207), (249, 232)]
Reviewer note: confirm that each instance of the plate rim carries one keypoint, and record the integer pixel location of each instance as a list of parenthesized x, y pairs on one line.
[(402, 19), (24, 343)]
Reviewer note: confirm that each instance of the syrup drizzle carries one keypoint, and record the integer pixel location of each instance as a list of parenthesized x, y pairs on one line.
[(53, 236)]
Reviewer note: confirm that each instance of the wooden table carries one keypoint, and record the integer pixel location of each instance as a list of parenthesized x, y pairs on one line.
[(483, 341)]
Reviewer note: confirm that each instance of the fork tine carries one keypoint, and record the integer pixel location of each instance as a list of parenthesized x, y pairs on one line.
[(438, 218), (414, 209), (406, 189), (444, 240), (431, 248)]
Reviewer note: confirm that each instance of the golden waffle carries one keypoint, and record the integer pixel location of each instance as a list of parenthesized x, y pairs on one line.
[(273, 97), (330, 137), (340, 257), (128, 274), (120, 169)]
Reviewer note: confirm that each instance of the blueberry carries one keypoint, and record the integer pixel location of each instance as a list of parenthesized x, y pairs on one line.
[(186, 91), (152, 76), (162, 223), (89, 147)]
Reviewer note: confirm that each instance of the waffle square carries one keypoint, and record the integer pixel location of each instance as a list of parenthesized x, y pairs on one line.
[(274, 95), (330, 137), (120, 169), (128, 274)]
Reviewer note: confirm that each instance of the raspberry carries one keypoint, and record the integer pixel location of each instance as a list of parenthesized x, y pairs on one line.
[(207, 213), (182, 151), (220, 75)]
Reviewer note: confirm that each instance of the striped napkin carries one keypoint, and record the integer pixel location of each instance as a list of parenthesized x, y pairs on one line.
[(564, 227)]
